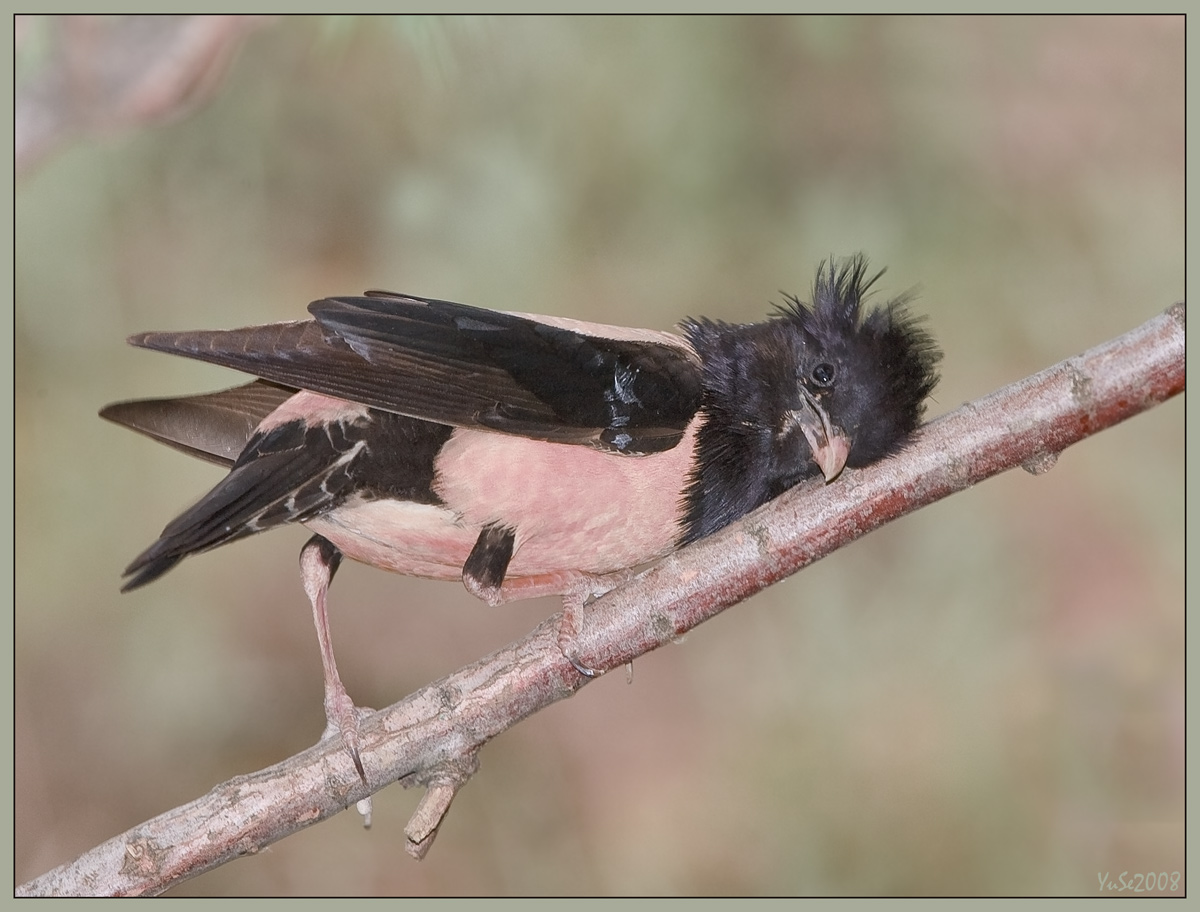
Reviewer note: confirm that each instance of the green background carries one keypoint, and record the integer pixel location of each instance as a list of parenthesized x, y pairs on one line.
[(985, 697)]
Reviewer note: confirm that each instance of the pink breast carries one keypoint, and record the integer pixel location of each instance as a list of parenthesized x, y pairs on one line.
[(573, 507)]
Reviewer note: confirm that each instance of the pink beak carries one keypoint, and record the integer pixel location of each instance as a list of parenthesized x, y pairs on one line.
[(830, 445)]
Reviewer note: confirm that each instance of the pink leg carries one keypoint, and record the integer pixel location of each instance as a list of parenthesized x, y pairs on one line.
[(319, 560), (576, 587)]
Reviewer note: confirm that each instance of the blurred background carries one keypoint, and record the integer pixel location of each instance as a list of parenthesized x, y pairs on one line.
[(985, 697)]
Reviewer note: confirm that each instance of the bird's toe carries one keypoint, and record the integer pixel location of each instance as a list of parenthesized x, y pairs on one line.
[(343, 718)]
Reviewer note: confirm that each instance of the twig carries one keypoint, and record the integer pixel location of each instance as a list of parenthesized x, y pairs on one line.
[(432, 737), (108, 73)]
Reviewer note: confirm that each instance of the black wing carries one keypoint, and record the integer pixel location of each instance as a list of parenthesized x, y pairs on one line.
[(286, 474), (466, 366)]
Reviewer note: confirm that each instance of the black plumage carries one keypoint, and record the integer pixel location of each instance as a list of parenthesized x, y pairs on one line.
[(466, 366), (292, 472), (871, 373)]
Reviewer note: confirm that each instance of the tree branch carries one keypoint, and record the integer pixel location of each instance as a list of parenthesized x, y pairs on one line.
[(107, 73), (432, 737)]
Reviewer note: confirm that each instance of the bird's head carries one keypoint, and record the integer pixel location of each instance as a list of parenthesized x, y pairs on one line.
[(860, 379), (824, 385)]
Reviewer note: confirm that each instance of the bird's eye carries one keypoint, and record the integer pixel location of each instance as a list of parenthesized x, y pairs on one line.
[(823, 374)]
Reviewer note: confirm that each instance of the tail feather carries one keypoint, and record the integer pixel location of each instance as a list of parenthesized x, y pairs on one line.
[(215, 426)]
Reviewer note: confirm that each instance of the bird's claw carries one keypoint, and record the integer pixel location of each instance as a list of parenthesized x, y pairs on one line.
[(582, 669), (342, 718), (568, 632)]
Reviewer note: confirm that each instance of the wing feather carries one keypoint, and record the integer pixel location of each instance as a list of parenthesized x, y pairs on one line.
[(469, 367)]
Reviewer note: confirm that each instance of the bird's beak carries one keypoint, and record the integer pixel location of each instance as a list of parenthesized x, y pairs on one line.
[(830, 445)]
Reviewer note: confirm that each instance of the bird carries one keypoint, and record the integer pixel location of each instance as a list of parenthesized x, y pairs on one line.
[(525, 454)]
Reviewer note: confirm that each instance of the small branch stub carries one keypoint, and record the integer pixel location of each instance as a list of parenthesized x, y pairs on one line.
[(423, 826)]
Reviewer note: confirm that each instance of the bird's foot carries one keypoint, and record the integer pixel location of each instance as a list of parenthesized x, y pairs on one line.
[(585, 590), (342, 717), (568, 633)]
